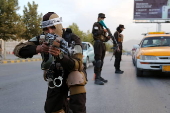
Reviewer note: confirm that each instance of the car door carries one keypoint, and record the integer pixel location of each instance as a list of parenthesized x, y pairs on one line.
[(91, 52)]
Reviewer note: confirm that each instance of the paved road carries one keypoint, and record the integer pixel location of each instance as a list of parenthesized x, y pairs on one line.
[(23, 90), (13, 57)]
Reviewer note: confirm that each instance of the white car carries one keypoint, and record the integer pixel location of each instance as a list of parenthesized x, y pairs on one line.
[(88, 53)]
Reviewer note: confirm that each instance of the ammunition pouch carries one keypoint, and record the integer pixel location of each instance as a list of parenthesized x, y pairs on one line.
[(77, 90), (102, 38), (78, 62), (76, 82), (120, 39), (76, 78), (46, 62)]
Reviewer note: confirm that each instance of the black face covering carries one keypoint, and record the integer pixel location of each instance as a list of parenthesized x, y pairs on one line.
[(119, 30), (67, 35)]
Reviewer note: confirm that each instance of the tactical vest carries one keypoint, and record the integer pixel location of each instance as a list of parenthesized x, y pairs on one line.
[(120, 37), (101, 37)]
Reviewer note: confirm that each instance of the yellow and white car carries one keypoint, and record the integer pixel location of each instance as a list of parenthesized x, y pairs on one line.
[(153, 53)]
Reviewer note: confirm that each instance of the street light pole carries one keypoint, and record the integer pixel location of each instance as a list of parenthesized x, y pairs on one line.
[(159, 27)]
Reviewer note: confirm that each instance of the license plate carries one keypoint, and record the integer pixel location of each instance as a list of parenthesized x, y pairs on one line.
[(166, 68)]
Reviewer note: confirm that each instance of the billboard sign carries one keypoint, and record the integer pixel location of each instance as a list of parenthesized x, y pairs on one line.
[(151, 9)]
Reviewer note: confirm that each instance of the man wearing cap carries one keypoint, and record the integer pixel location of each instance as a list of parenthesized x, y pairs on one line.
[(99, 36), (118, 52), (63, 72)]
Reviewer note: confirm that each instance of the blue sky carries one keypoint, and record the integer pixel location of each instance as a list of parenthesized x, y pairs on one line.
[(84, 13)]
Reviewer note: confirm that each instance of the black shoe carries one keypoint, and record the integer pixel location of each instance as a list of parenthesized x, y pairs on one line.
[(119, 72), (98, 82), (103, 80)]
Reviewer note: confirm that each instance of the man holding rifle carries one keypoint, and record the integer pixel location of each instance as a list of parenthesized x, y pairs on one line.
[(99, 35), (118, 45), (63, 72)]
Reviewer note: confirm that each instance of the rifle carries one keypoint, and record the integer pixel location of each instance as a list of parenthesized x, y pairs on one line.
[(113, 38), (48, 65)]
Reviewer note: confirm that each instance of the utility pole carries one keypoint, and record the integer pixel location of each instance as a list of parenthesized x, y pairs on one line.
[(159, 27)]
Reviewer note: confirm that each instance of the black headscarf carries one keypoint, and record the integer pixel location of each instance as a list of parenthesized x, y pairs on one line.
[(66, 34), (118, 29)]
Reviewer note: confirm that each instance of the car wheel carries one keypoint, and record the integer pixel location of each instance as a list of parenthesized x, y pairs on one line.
[(139, 72), (87, 62)]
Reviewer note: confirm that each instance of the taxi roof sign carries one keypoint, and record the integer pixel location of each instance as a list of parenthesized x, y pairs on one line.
[(156, 32)]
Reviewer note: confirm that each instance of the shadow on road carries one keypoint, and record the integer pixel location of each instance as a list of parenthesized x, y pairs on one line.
[(156, 74)]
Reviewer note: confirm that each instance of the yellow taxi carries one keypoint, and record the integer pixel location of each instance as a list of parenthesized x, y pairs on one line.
[(153, 53)]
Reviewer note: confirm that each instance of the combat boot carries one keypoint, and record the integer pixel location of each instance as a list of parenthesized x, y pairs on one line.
[(97, 79), (119, 71), (103, 80), (98, 82)]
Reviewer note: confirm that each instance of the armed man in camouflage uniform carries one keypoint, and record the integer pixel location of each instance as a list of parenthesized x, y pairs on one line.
[(68, 68), (99, 35)]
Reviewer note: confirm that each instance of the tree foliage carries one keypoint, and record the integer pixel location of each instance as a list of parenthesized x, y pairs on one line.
[(75, 29), (11, 26), (32, 21), (86, 37), (14, 26), (109, 47)]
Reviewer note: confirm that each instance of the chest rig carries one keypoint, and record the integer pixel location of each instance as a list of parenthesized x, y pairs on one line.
[(101, 37)]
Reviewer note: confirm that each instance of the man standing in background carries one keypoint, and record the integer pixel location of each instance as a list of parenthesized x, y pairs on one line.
[(118, 52)]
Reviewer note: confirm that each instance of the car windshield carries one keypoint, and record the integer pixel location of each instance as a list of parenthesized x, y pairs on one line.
[(84, 46), (156, 41)]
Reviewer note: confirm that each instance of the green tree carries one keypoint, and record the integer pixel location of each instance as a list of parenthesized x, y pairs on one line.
[(75, 29), (88, 37), (11, 26), (108, 47), (32, 21)]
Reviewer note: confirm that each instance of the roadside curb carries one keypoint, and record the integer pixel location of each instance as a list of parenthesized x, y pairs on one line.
[(20, 60)]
